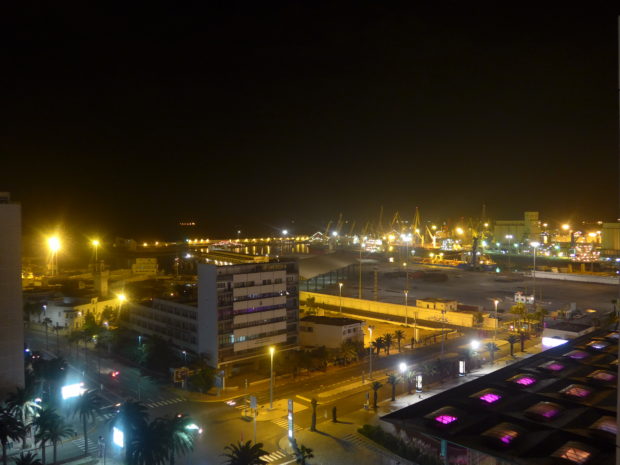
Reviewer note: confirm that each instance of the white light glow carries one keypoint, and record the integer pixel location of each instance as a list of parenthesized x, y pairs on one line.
[(118, 437), (552, 341), (72, 390)]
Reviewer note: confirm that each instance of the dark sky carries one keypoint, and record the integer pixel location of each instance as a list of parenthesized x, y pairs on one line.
[(250, 115)]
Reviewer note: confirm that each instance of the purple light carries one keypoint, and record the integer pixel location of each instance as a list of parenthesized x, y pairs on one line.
[(445, 419), (525, 381), (546, 410), (552, 366), (550, 413), (490, 398), (613, 335), (576, 391), (508, 437), (577, 355), (598, 345)]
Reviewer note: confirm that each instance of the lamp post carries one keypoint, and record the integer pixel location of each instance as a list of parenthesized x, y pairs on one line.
[(271, 352), (340, 295), (402, 367), (509, 237), (53, 244), (95, 244), (535, 245), (370, 328), (495, 301), (406, 294)]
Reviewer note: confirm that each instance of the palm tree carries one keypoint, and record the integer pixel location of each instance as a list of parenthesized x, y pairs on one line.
[(245, 454), (149, 444), (512, 340), (131, 418), (57, 430), (378, 344), (21, 403), (302, 454), (348, 351), (178, 437), (523, 337), (11, 429), (389, 340), (492, 348), (87, 407), (409, 377), (376, 385), (27, 459), (41, 422), (393, 381), (399, 335), (313, 403)]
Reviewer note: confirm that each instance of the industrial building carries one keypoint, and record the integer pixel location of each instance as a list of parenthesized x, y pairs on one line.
[(11, 313), (555, 407), (234, 315), (527, 229)]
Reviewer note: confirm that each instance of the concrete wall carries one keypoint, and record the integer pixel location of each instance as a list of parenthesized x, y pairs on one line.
[(455, 318), (613, 280)]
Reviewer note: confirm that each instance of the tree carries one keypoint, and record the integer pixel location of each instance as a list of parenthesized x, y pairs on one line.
[(149, 444), (519, 309), (244, 453), (376, 385), (21, 403), (409, 376), (388, 341), (348, 351), (178, 437), (302, 454), (46, 417), (11, 429), (393, 381), (523, 337), (56, 430), (87, 407), (399, 335), (131, 417), (314, 404), (378, 344), (512, 340), (492, 348), (478, 318), (27, 459)]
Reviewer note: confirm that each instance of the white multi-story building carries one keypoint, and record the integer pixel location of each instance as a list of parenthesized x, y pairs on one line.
[(331, 332), (11, 313), (239, 311)]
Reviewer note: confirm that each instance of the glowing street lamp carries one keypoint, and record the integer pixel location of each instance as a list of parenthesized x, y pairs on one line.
[(495, 301), (340, 295), (53, 243), (95, 243), (535, 245), (459, 231), (272, 350)]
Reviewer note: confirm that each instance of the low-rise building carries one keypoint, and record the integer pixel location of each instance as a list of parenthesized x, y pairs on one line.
[(331, 332), (445, 305), (69, 312)]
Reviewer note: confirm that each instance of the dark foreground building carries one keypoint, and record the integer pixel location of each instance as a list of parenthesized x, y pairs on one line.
[(556, 407)]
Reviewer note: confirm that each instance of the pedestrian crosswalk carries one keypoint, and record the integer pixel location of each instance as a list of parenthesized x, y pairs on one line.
[(80, 443), (161, 403), (275, 456), (283, 423), (359, 440)]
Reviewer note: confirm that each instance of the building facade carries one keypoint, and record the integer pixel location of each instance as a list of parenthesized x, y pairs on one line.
[(514, 231), (11, 313), (317, 331), (239, 311)]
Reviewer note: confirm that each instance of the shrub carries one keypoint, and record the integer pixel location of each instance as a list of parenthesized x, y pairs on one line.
[(398, 446)]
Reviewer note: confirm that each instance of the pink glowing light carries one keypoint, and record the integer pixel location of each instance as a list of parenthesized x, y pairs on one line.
[(490, 398), (445, 419), (525, 381)]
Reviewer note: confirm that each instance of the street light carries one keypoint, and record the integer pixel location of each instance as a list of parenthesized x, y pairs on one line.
[(340, 295), (402, 366), (271, 352), (370, 328), (406, 294), (535, 245), (495, 301), (509, 237), (95, 243), (53, 243)]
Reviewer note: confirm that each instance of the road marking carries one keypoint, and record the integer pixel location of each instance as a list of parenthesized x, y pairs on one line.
[(283, 423), (277, 455), (80, 444)]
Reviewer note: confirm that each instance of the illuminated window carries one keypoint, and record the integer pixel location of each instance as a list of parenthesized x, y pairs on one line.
[(523, 380), (445, 419), (573, 452), (613, 335), (489, 398), (577, 354), (602, 375), (444, 416), (544, 411), (505, 433), (576, 390), (552, 366), (606, 424), (598, 345)]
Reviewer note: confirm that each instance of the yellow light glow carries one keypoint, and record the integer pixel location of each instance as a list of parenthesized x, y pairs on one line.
[(486, 225), (433, 227), (54, 244), (122, 297), (459, 230), (272, 349), (566, 227), (95, 243)]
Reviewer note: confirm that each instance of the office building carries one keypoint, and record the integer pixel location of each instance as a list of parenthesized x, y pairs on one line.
[(11, 313), (234, 314)]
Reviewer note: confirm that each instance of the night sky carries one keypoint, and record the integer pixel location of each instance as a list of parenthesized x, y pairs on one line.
[(253, 115)]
